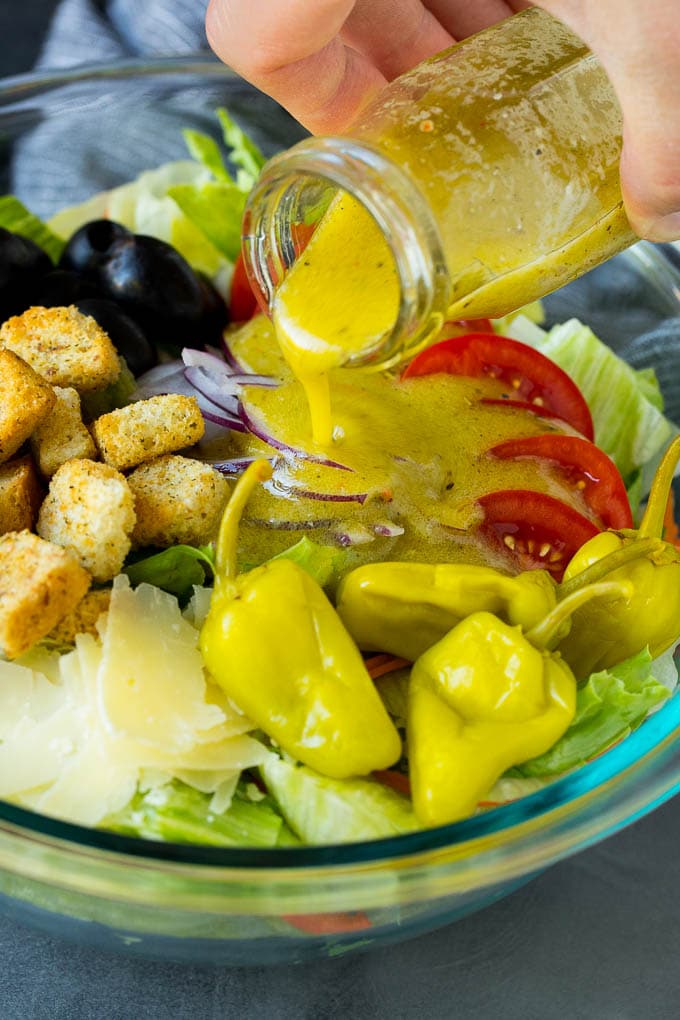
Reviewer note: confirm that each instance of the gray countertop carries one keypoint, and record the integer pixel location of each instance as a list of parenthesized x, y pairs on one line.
[(595, 937)]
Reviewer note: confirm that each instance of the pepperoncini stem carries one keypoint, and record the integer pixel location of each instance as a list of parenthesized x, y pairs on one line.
[(547, 630), (225, 556), (636, 550), (652, 522)]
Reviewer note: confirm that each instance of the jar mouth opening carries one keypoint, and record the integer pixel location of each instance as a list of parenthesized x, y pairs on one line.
[(292, 196)]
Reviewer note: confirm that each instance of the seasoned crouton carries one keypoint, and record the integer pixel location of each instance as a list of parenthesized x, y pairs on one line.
[(20, 495), (89, 509), (39, 584), (25, 399), (177, 501), (64, 346), (148, 428), (82, 619), (61, 435)]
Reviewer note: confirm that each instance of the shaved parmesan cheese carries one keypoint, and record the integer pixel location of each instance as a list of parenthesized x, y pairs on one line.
[(151, 680), (80, 732)]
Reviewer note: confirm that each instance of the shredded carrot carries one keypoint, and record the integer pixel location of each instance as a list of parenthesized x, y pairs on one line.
[(379, 665), (395, 780), (670, 526)]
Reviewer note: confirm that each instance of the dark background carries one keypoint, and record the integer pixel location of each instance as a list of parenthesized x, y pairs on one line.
[(595, 938)]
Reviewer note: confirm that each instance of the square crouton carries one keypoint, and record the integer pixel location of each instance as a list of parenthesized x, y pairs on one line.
[(25, 399), (89, 510), (20, 495), (82, 619), (64, 346), (39, 584), (61, 435), (178, 501), (147, 429)]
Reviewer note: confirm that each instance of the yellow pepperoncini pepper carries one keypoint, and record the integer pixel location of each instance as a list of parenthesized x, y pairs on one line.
[(601, 637), (484, 698), (405, 608), (274, 643)]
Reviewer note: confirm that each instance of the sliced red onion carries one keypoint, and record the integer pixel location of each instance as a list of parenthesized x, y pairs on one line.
[(222, 392), (259, 522), (388, 530), (356, 535), (161, 379), (276, 487), (252, 379), (224, 420), (212, 363), (231, 358), (259, 431), (237, 465)]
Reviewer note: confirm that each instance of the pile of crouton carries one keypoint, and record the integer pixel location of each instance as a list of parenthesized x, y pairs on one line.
[(76, 496)]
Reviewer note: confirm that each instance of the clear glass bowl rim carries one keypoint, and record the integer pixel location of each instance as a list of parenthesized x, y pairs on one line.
[(591, 783)]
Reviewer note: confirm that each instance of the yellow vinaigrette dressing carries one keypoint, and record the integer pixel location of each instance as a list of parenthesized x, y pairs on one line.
[(508, 145), (339, 299)]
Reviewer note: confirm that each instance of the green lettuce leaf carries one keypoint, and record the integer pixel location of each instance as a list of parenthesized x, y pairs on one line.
[(205, 150), (322, 810), (611, 704), (175, 570), (626, 405), (322, 562), (216, 209), (16, 217), (243, 153), (179, 814)]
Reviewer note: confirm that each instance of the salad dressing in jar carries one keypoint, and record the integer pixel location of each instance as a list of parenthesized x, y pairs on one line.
[(481, 180)]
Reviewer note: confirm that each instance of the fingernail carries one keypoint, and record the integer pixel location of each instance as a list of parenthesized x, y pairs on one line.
[(665, 228)]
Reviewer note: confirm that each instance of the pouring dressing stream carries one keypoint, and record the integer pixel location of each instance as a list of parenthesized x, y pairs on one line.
[(481, 180)]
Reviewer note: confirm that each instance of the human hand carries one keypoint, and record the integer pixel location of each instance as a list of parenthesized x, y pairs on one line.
[(325, 59)]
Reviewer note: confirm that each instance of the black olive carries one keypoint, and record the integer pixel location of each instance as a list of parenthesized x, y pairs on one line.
[(126, 336), (158, 288), (62, 287), (92, 245), (22, 263)]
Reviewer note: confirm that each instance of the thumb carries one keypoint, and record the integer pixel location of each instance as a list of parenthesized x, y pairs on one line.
[(638, 45)]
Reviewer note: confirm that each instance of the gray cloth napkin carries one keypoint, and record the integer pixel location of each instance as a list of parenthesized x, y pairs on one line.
[(84, 31)]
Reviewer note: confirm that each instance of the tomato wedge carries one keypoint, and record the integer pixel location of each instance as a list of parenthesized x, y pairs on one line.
[(242, 302), (329, 924), (585, 466), (539, 531), (533, 380)]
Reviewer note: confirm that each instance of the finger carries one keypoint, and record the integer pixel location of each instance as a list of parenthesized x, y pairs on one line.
[(638, 45), (464, 19), (291, 49), (394, 35)]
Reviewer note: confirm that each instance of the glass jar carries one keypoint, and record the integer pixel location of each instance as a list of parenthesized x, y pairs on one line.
[(491, 170)]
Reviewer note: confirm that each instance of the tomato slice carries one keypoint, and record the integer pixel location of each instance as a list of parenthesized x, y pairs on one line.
[(395, 780), (538, 531), (585, 466), (460, 327), (242, 302), (329, 924), (531, 377)]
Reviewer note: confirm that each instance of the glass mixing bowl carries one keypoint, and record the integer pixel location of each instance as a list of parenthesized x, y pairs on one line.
[(63, 136)]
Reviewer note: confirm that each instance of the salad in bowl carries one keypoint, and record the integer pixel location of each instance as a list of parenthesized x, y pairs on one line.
[(220, 632), (166, 780)]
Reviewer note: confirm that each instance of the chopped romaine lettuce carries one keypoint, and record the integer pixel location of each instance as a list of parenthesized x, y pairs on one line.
[(179, 814), (626, 405), (243, 152), (176, 570), (16, 217), (322, 810), (216, 209), (611, 704), (324, 563)]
